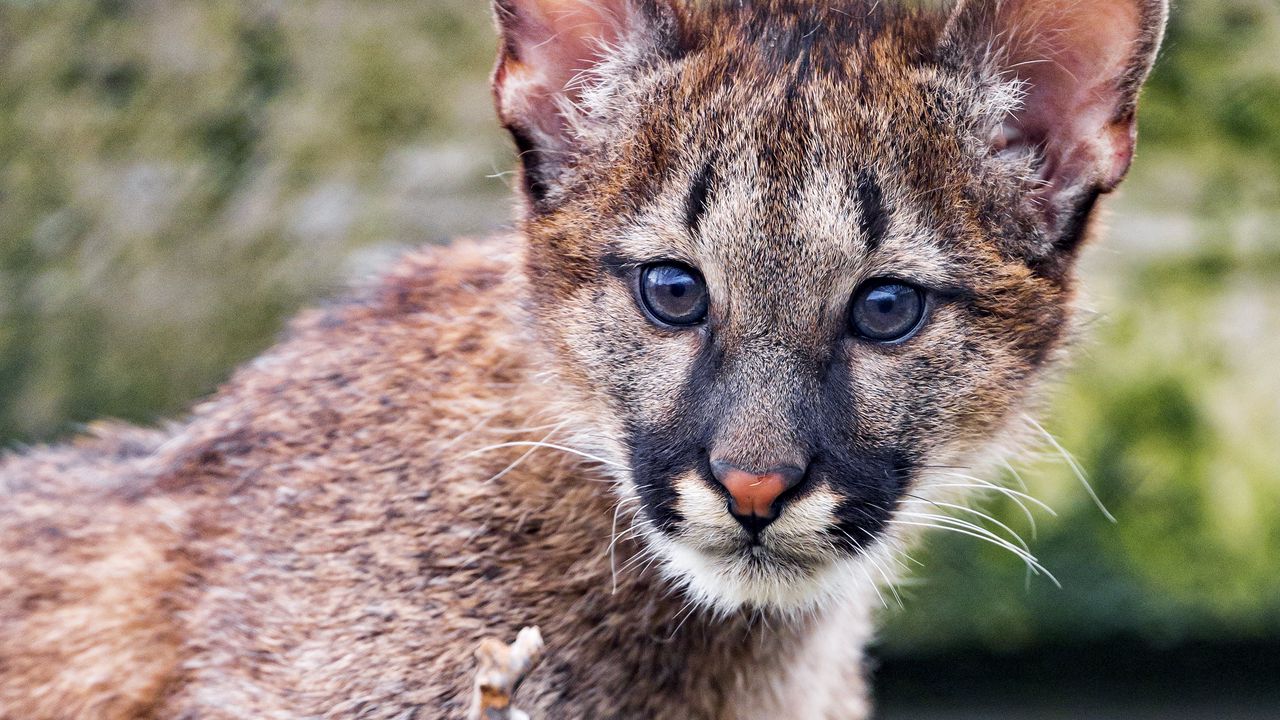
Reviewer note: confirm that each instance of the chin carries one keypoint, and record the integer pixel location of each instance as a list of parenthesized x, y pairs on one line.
[(760, 576), (792, 568)]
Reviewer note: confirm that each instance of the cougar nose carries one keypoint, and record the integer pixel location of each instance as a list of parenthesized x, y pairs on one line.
[(753, 494)]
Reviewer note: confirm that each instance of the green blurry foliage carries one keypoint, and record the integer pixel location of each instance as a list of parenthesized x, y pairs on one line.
[(1213, 104), (178, 177)]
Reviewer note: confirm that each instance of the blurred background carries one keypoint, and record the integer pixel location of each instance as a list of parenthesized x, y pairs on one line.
[(177, 178)]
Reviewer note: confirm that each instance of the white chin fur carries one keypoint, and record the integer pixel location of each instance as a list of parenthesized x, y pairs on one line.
[(729, 583), (791, 573)]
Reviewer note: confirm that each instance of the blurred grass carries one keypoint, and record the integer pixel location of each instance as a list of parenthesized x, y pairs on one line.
[(176, 178)]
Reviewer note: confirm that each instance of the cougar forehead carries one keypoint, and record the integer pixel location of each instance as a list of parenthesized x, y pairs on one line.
[(789, 163)]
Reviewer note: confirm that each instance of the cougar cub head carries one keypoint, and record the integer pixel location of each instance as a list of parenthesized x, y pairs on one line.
[(795, 254)]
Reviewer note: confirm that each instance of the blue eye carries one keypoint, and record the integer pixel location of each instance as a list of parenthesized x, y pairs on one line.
[(674, 294), (886, 310)]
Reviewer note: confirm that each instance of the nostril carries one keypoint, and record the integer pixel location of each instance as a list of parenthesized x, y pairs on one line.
[(753, 493)]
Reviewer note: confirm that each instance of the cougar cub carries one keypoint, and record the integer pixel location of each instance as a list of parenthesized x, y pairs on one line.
[(780, 261)]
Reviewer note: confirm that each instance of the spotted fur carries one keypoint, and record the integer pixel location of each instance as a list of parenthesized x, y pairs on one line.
[(496, 435)]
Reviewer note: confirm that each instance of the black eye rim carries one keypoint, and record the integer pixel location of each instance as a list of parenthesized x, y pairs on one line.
[(655, 316), (922, 316)]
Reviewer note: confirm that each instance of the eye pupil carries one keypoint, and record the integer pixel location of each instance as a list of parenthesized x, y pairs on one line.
[(886, 310), (674, 294)]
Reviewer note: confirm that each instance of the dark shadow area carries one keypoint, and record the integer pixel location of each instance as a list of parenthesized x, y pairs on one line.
[(1123, 679)]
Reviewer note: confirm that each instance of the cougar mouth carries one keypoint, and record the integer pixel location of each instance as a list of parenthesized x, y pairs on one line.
[(792, 564), (757, 576)]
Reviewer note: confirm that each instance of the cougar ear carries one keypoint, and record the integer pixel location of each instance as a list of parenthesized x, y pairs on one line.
[(1079, 65), (557, 61)]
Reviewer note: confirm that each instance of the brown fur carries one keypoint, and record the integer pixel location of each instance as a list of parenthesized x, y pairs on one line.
[(320, 540), (333, 532)]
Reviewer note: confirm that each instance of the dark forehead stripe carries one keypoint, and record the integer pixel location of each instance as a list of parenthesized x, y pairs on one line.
[(696, 203), (873, 219)]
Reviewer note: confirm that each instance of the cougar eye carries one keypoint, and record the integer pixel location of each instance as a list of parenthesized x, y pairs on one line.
[(674, 294), (886, 310)]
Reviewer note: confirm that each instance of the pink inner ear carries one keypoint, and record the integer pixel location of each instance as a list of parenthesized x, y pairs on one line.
[(551, 43), (563, 37), (1073, 55)]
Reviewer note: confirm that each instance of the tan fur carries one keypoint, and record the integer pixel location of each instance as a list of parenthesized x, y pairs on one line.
[(459, 450), (323, 538), (89, 588)]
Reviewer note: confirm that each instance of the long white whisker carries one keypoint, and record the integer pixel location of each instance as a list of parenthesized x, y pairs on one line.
[(613, 544), (692, 606), (646, 553), (903, 553), (1036, 568), (1011, 494), (1017, 476), (867, 554), (1008, 492), (526, 454), (986, 517), (479, 424), (642, 561), (1025, 554), (550, 446), (1030, 560), (874, 586), (1021, 547), (1075, 467), (887, 581)]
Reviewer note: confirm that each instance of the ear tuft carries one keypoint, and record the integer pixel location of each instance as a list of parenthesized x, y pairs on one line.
[(556, 63), (1079, 65)]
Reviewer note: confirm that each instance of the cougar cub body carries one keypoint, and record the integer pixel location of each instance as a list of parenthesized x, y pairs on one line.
[(781, 261)]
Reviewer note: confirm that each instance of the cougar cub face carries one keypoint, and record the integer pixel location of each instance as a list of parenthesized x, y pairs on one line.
[(794, 255)]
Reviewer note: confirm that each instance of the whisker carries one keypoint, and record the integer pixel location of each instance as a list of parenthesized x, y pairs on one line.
[(1031, 563), (887, 581), (1017, 476), (1031, 519), (984, 516), (479, 424), (642, 561), (550, 446), (691, 607), (532, 428), (1021, 546), (874, 586), (613, 544), (526, 454), (1075, 466), (977, 531), (1008, 492)]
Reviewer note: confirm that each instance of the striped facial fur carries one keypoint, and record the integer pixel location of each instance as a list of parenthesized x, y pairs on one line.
[(792, 255)]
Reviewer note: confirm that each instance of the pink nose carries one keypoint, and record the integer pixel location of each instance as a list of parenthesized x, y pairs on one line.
[(753, 494)]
